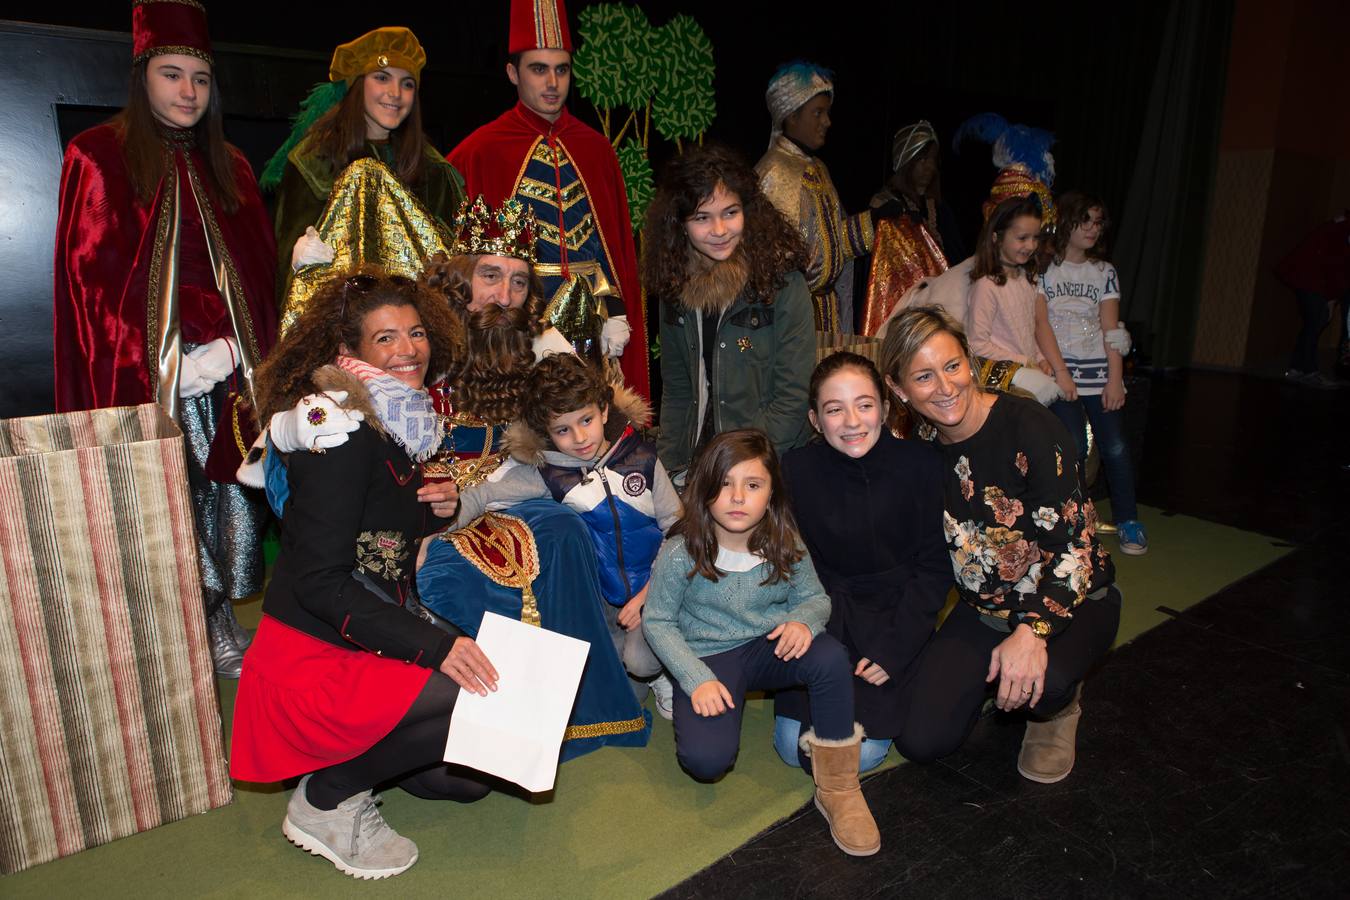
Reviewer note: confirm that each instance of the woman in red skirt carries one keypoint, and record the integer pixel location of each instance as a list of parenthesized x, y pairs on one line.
[(348, 682)]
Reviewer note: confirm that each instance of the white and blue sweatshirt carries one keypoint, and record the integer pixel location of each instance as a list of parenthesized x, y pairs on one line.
[(625, 497)]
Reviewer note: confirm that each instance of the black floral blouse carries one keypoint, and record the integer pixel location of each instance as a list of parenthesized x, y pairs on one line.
[(1021, 533)]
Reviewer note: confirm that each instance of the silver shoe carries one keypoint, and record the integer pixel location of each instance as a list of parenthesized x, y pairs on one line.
[(242, 636), (226, 656)]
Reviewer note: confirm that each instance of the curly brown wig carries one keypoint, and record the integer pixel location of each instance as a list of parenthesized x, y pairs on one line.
[(333, 318), (559, 384), (771, 245), (775, 538), (490, 380)]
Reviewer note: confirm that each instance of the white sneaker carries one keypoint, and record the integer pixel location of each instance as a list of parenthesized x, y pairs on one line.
[(664, 694), (354, 837)]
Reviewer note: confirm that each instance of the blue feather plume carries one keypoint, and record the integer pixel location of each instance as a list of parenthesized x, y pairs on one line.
[(801, 71)]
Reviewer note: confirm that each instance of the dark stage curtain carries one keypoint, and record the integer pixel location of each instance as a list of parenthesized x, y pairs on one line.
[(1160, 252)]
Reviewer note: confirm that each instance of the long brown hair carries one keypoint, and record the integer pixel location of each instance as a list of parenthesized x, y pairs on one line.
[(146, 157), (987, 260), (333, 317), (340, 135), (774, 538), (772, 246), (489, 381)]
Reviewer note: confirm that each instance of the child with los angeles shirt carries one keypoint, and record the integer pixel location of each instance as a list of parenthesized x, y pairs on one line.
[(1082, 293)]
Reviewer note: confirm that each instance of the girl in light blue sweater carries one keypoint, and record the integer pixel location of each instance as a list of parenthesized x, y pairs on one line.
[(734, 605)]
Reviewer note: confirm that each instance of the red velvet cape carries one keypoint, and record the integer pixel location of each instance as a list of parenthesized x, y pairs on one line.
[(492, 160), (104, 246)]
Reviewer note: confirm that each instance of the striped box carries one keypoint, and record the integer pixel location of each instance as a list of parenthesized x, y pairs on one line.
[(109, 722)]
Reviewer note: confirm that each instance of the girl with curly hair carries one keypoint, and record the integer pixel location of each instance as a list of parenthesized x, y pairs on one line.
[(737, 343), (349, 683)]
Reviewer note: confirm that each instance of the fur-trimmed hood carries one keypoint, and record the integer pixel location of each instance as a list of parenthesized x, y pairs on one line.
[(526, 445), (713, 286)]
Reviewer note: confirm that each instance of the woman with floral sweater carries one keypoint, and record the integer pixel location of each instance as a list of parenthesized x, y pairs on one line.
[(1039, 605)]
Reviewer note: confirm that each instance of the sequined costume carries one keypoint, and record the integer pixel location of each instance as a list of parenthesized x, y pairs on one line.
[(799, 186), (568, 174), (369, 217), (310, 188), (906, 252), (138, 285)]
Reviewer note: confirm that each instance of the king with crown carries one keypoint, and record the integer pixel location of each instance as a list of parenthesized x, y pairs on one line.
[(566, 172), (531, 561)]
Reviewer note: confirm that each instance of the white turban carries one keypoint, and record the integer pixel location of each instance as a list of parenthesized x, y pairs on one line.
[(791, 87)]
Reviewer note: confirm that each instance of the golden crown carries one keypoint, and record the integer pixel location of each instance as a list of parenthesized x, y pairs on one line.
[(507, 232)]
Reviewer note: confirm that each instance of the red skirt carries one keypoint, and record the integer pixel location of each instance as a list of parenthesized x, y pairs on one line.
[(304, 704)]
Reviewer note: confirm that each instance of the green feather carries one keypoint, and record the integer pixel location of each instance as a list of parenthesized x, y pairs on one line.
[(321, 98)]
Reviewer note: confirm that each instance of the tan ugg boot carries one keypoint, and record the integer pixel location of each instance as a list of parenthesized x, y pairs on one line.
[(1048, 747), (834, 766)]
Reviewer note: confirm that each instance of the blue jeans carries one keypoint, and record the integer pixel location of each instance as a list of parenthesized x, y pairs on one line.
[(707, 746), (786, 733), (1109, 430)]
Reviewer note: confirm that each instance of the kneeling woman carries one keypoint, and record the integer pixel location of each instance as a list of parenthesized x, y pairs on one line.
[(344, 684), (1040, 607)]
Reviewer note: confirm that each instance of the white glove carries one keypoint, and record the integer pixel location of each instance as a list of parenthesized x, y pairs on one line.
[(1035, 382), (614, 335), (310, 250), (206, 366), (1118, 339), (191, 381), (318, 422), (217, 359)]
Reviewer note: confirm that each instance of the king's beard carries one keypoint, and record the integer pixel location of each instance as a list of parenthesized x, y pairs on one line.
[(491, 383)]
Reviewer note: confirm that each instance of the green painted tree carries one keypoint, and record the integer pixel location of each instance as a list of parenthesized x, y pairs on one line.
[(663, 74)]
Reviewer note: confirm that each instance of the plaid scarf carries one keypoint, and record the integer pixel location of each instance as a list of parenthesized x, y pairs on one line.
[(406, 414)]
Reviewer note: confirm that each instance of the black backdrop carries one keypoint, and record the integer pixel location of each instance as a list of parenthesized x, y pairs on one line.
[(1081, 70)]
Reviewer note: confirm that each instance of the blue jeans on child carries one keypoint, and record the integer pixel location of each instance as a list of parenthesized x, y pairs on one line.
[(1109, 430), (787, 732), (707, 746)]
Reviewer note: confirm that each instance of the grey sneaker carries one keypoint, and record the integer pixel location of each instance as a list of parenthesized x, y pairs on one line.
[(226, 656), (664, 695), (354, 837)]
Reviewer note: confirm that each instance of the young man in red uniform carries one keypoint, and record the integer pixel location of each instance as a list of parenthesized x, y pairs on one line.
[(568, 174)]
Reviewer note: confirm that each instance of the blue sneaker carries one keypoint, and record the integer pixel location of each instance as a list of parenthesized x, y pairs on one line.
[(1133, 539)]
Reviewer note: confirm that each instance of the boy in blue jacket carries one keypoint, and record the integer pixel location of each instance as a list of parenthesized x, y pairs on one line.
[(600, 466)]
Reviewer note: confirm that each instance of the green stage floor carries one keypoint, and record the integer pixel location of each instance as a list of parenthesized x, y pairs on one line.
[(620, 823)]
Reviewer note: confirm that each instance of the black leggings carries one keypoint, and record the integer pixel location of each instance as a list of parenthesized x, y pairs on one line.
[(409, 755), (942, 699)]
